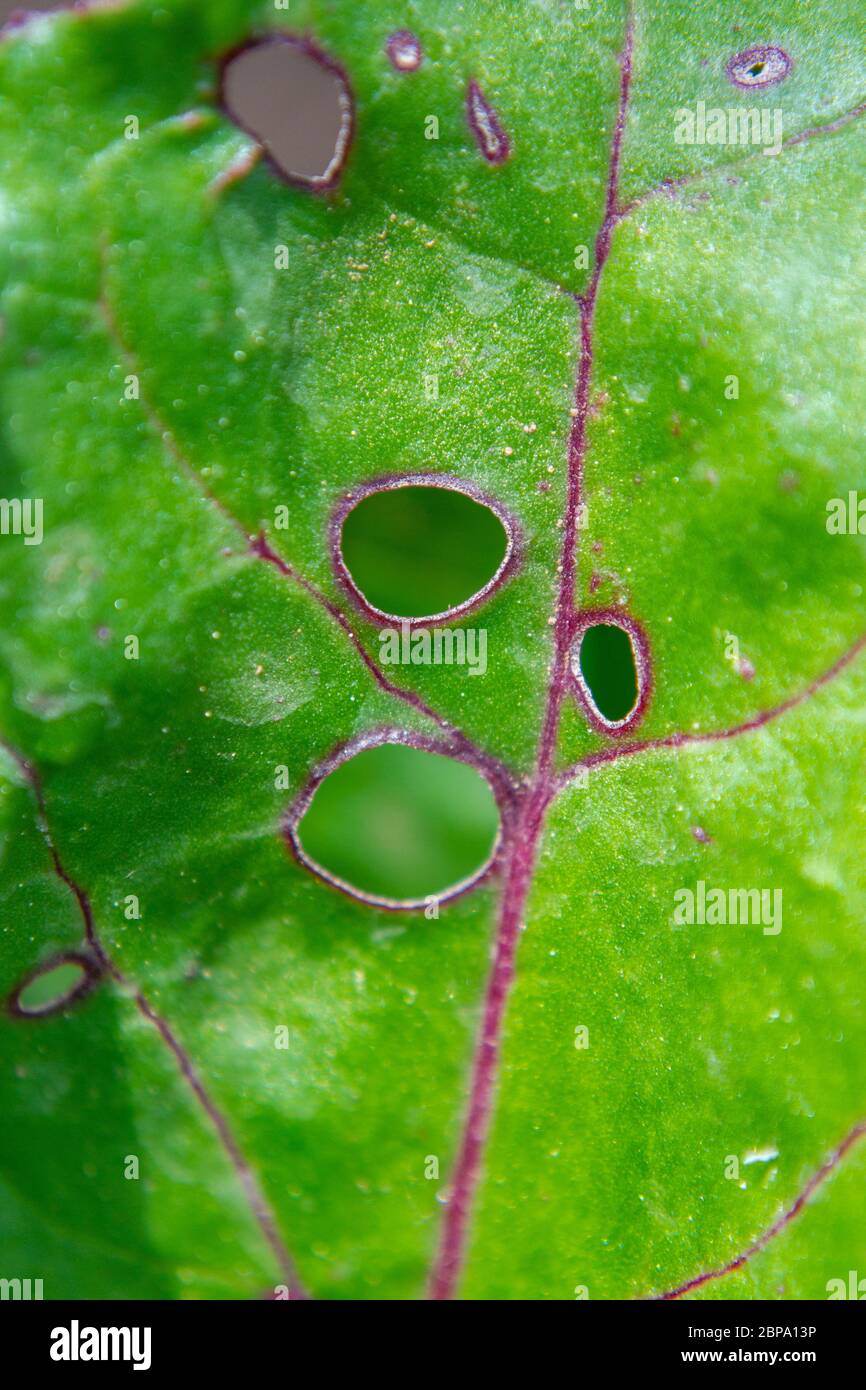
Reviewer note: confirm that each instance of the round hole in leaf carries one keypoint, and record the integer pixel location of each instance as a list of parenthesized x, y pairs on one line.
[(54, 986), (610, 665), (296, 102), (395, 824), (422, 549)]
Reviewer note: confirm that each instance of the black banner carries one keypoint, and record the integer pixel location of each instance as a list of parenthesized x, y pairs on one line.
[(66, 1339)]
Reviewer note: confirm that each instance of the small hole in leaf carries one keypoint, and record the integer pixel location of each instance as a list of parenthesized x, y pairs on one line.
[(54, 986), (420, 552), (760, 66), (296, 102), (394, 824), (607, 665)]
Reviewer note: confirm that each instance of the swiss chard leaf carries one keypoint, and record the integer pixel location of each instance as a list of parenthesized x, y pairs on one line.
[(645, 353)]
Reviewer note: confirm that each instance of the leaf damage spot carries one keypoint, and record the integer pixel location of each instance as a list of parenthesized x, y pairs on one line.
[(610, 668), (459, 545), (493, 142), (55, 985), (763, 65), (404, 51), (269, 86), (380, 817)]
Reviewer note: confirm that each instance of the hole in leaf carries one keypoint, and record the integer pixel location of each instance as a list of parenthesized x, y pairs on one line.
[(422, 550), (607, 666), (54, 986), (296, 102), (760, 66), (395, 824), (610, 665)]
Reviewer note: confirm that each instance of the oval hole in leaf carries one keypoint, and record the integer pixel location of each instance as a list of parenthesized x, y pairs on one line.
[(608, 670), (296, 102), (761, 66), (54, 986), (395, 824), (422, 552)]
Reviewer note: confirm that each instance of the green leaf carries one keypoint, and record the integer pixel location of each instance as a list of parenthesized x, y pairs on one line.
[(648, 359)]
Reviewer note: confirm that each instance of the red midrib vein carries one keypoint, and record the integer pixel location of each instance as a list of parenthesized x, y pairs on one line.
[(450, 1257)]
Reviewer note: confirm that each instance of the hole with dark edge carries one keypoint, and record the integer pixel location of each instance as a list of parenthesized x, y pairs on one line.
[(296, 102), (418, 551), (52, 987), (608, 668), (763, 65), (399, 823)]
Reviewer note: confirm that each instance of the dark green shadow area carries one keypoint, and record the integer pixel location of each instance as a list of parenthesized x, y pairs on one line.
[(400, 822), (415, 551), (607, 666), (67, 1214)]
